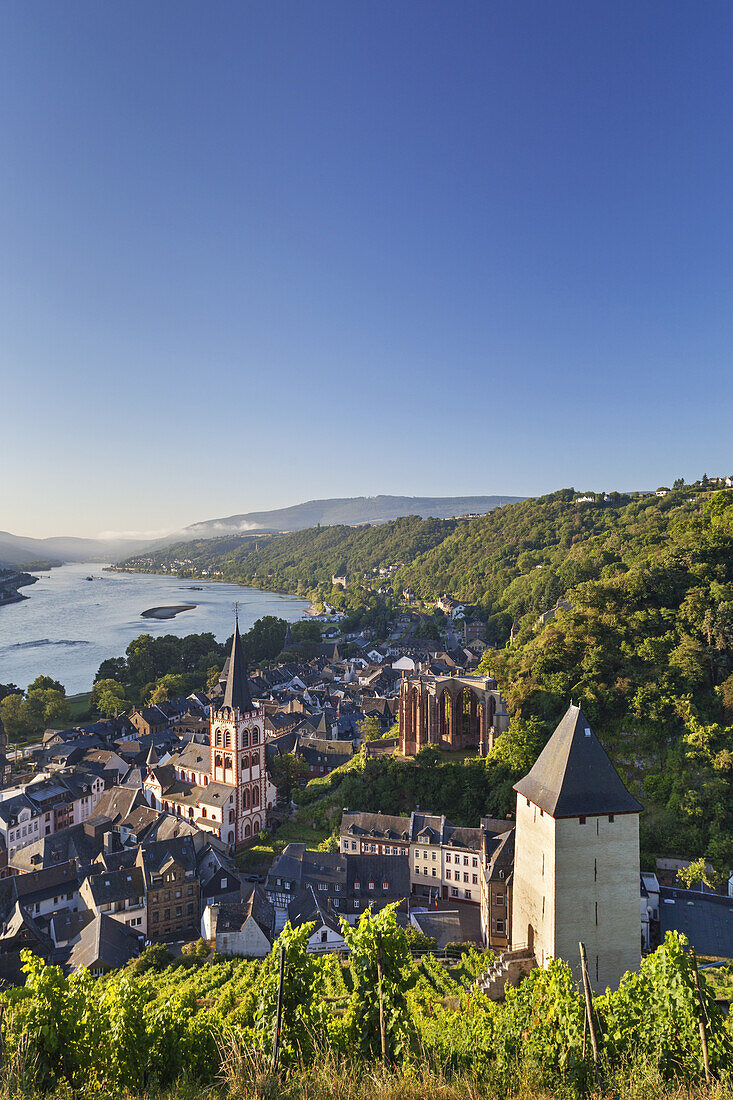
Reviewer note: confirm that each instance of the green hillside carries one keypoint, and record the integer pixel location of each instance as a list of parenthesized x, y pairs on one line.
[(301, 561)]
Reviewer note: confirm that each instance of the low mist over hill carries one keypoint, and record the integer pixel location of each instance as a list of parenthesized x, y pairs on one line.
[(347, 511), (17, 550)]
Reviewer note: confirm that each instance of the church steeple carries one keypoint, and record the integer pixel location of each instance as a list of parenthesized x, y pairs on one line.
[(236, 693)]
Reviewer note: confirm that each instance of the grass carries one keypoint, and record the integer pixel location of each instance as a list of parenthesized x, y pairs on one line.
[(258, 858), (79, 707)]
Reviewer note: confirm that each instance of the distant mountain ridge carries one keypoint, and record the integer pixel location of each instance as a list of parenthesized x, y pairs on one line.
[(348, 511), (18, 550)]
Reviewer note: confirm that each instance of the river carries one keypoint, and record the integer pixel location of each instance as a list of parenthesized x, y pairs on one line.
[(69, 625)]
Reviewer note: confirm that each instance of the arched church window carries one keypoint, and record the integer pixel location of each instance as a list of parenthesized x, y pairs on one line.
[(245, 799), (231, 817), (247, 829), (218, 737), (255, 737), (255, 827), (228, 739), (255, 796), (217, 760), (245, 738)]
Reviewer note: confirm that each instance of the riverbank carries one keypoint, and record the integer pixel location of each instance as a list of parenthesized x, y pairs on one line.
[(10, 581), (69, 626)]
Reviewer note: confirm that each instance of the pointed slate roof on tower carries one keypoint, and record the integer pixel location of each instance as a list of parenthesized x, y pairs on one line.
[(236, 692), (573, 776), (153, 757)]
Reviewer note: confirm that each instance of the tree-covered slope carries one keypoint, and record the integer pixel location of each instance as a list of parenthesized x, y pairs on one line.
[(301, 561)]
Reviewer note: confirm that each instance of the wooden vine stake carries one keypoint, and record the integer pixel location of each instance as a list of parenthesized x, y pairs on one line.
[(590, 1019), (703, 1029), (382, 1021), (279, 1014)]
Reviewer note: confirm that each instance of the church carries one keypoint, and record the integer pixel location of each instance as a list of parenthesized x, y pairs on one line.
[(222, 787)]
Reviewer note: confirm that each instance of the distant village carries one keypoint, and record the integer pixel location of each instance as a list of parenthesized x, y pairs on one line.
[(132, 830)]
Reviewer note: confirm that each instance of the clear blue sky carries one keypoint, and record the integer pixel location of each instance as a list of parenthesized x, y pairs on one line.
[(255, 253)]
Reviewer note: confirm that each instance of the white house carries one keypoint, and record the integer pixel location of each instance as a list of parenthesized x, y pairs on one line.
[(241, 928)]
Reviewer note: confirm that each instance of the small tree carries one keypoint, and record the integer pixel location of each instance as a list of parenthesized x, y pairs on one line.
[(698, 871), (378, 939), (304, 1012)]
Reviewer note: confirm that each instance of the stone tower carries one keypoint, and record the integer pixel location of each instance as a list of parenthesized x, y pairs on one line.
[(237, 737), (576, 864)]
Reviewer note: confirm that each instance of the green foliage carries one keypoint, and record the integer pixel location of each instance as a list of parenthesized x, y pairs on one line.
[(697, 873), (304, 1013), (150, 1026), (43, 705), (303, 561), (108, 697), (378, 939)]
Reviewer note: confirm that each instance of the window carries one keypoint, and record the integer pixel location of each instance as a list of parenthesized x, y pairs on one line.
[(371, 884), (475, 863), (454, 892), (417, 855), (353, 845), (501, 927), (167, 914), (468, 894), (465, 876), (433, 854), (324, 935), (498, 899), (433, 872), (447, 857), (322, 886), (385, 885), (474, 879), (611, 818), (189, 909), (337, 887), (581, 821), (357, 885), (465, 861), (447, 874)]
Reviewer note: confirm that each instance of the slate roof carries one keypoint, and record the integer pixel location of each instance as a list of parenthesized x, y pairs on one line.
[(233, 915), (706, 920), (118, 803), (236, 692), (573, 776), (108, 887), (106, 942), (383, 826), (444, 925), (305, 908)]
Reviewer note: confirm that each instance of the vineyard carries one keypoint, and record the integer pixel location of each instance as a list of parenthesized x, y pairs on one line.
[(379, 1023)]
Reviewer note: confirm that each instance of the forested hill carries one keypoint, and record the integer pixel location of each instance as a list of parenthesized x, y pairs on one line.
[(646, 645), (301, 561)]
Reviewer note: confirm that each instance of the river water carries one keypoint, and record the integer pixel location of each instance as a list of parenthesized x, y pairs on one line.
[(69, 625)]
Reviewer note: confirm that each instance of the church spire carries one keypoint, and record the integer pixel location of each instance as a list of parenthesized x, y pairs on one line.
[(236, 692)]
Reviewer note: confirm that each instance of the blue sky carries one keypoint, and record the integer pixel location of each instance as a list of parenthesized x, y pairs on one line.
[(256, 253)]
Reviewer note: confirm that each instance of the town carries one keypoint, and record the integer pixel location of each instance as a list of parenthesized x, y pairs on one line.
[(136, 829)]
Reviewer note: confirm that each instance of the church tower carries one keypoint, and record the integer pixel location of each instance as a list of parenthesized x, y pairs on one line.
[(576, 864), (237, 738)]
